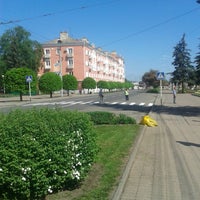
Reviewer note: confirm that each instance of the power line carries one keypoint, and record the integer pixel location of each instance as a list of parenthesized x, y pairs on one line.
[(58, 12), (153, 26)]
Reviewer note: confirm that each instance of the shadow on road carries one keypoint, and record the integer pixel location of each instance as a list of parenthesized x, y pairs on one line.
[(171, 110), (178, 110), (126, 107), (188, 143)]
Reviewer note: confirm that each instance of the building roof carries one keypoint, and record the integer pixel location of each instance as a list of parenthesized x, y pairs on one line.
[(65, 39)]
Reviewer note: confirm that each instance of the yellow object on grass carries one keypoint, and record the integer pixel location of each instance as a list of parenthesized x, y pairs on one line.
[(146, 120)]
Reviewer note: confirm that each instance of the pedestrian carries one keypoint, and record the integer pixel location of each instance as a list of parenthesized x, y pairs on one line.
[(174, 94), (101, 96), (126, 94)]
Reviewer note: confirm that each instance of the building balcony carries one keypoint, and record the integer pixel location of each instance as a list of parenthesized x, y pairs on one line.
[(70, 66), (47, 67), (69, 55), (47, 55)]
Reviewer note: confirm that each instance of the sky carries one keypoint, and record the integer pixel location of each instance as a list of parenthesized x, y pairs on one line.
[(144, 32)]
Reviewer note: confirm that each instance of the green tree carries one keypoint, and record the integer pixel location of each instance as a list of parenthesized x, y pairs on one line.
[(128, 84), (149, 78), (69, 82), (50, 82), (102, 84), (183, 69), (89, 83), (18, 50), (15, 81), (197, 61)]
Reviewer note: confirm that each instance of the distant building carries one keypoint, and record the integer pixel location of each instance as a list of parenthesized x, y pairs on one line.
[(78, 57)]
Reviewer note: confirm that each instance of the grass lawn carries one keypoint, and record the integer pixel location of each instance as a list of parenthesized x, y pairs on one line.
[(115, 144)]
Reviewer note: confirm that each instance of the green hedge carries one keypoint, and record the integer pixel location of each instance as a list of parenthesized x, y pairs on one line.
[(153, 90), (44, 151), (197, 93), (101, 117)]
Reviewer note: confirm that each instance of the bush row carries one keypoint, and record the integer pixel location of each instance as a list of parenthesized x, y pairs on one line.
[(197, 93), (44, 151), (99, 118), (153, 90)]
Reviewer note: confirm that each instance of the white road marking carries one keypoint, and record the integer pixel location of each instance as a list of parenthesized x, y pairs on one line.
[(69, 103)]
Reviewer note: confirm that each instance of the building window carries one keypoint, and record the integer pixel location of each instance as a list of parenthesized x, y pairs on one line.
[(70, 51), (58, 51), (70, 62), (47, 63), (47, 51)]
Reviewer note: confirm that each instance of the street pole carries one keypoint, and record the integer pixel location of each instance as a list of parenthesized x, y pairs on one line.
[(29, 85), (161, 92), (60, 62), (4, 89)]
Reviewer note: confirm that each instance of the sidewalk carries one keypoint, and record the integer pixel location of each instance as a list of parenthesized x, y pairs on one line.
[(165, 162)]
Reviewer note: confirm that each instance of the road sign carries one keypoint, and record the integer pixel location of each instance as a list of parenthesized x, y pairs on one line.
[(160, 76), (29, 79)]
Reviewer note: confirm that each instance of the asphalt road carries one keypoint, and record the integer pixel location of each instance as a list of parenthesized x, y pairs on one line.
[(139, 104)]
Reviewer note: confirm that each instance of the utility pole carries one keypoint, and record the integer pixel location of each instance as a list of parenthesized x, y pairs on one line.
[(60, 62)]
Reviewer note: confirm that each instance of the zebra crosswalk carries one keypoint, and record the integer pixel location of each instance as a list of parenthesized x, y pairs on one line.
[(71, 103)]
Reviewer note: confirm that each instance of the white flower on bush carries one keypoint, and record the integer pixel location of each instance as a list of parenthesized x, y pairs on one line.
[(33, 139), (1, 169), (75, 174), (78, 154), (78, 132), (69, 141), (78, 164), (65, 172), (50, 190), (25, 170), (23, 179)]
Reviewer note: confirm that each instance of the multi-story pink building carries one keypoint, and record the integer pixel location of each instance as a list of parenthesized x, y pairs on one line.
[(81, 59)]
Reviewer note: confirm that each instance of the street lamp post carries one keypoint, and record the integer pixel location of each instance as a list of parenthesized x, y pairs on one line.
[(60, 62), (4, 89)]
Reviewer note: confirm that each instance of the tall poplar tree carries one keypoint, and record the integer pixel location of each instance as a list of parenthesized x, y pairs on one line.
[(183, 72), (197, 61)]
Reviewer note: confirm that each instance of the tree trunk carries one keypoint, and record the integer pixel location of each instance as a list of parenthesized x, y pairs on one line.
[(20, 95), (182, 84)]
